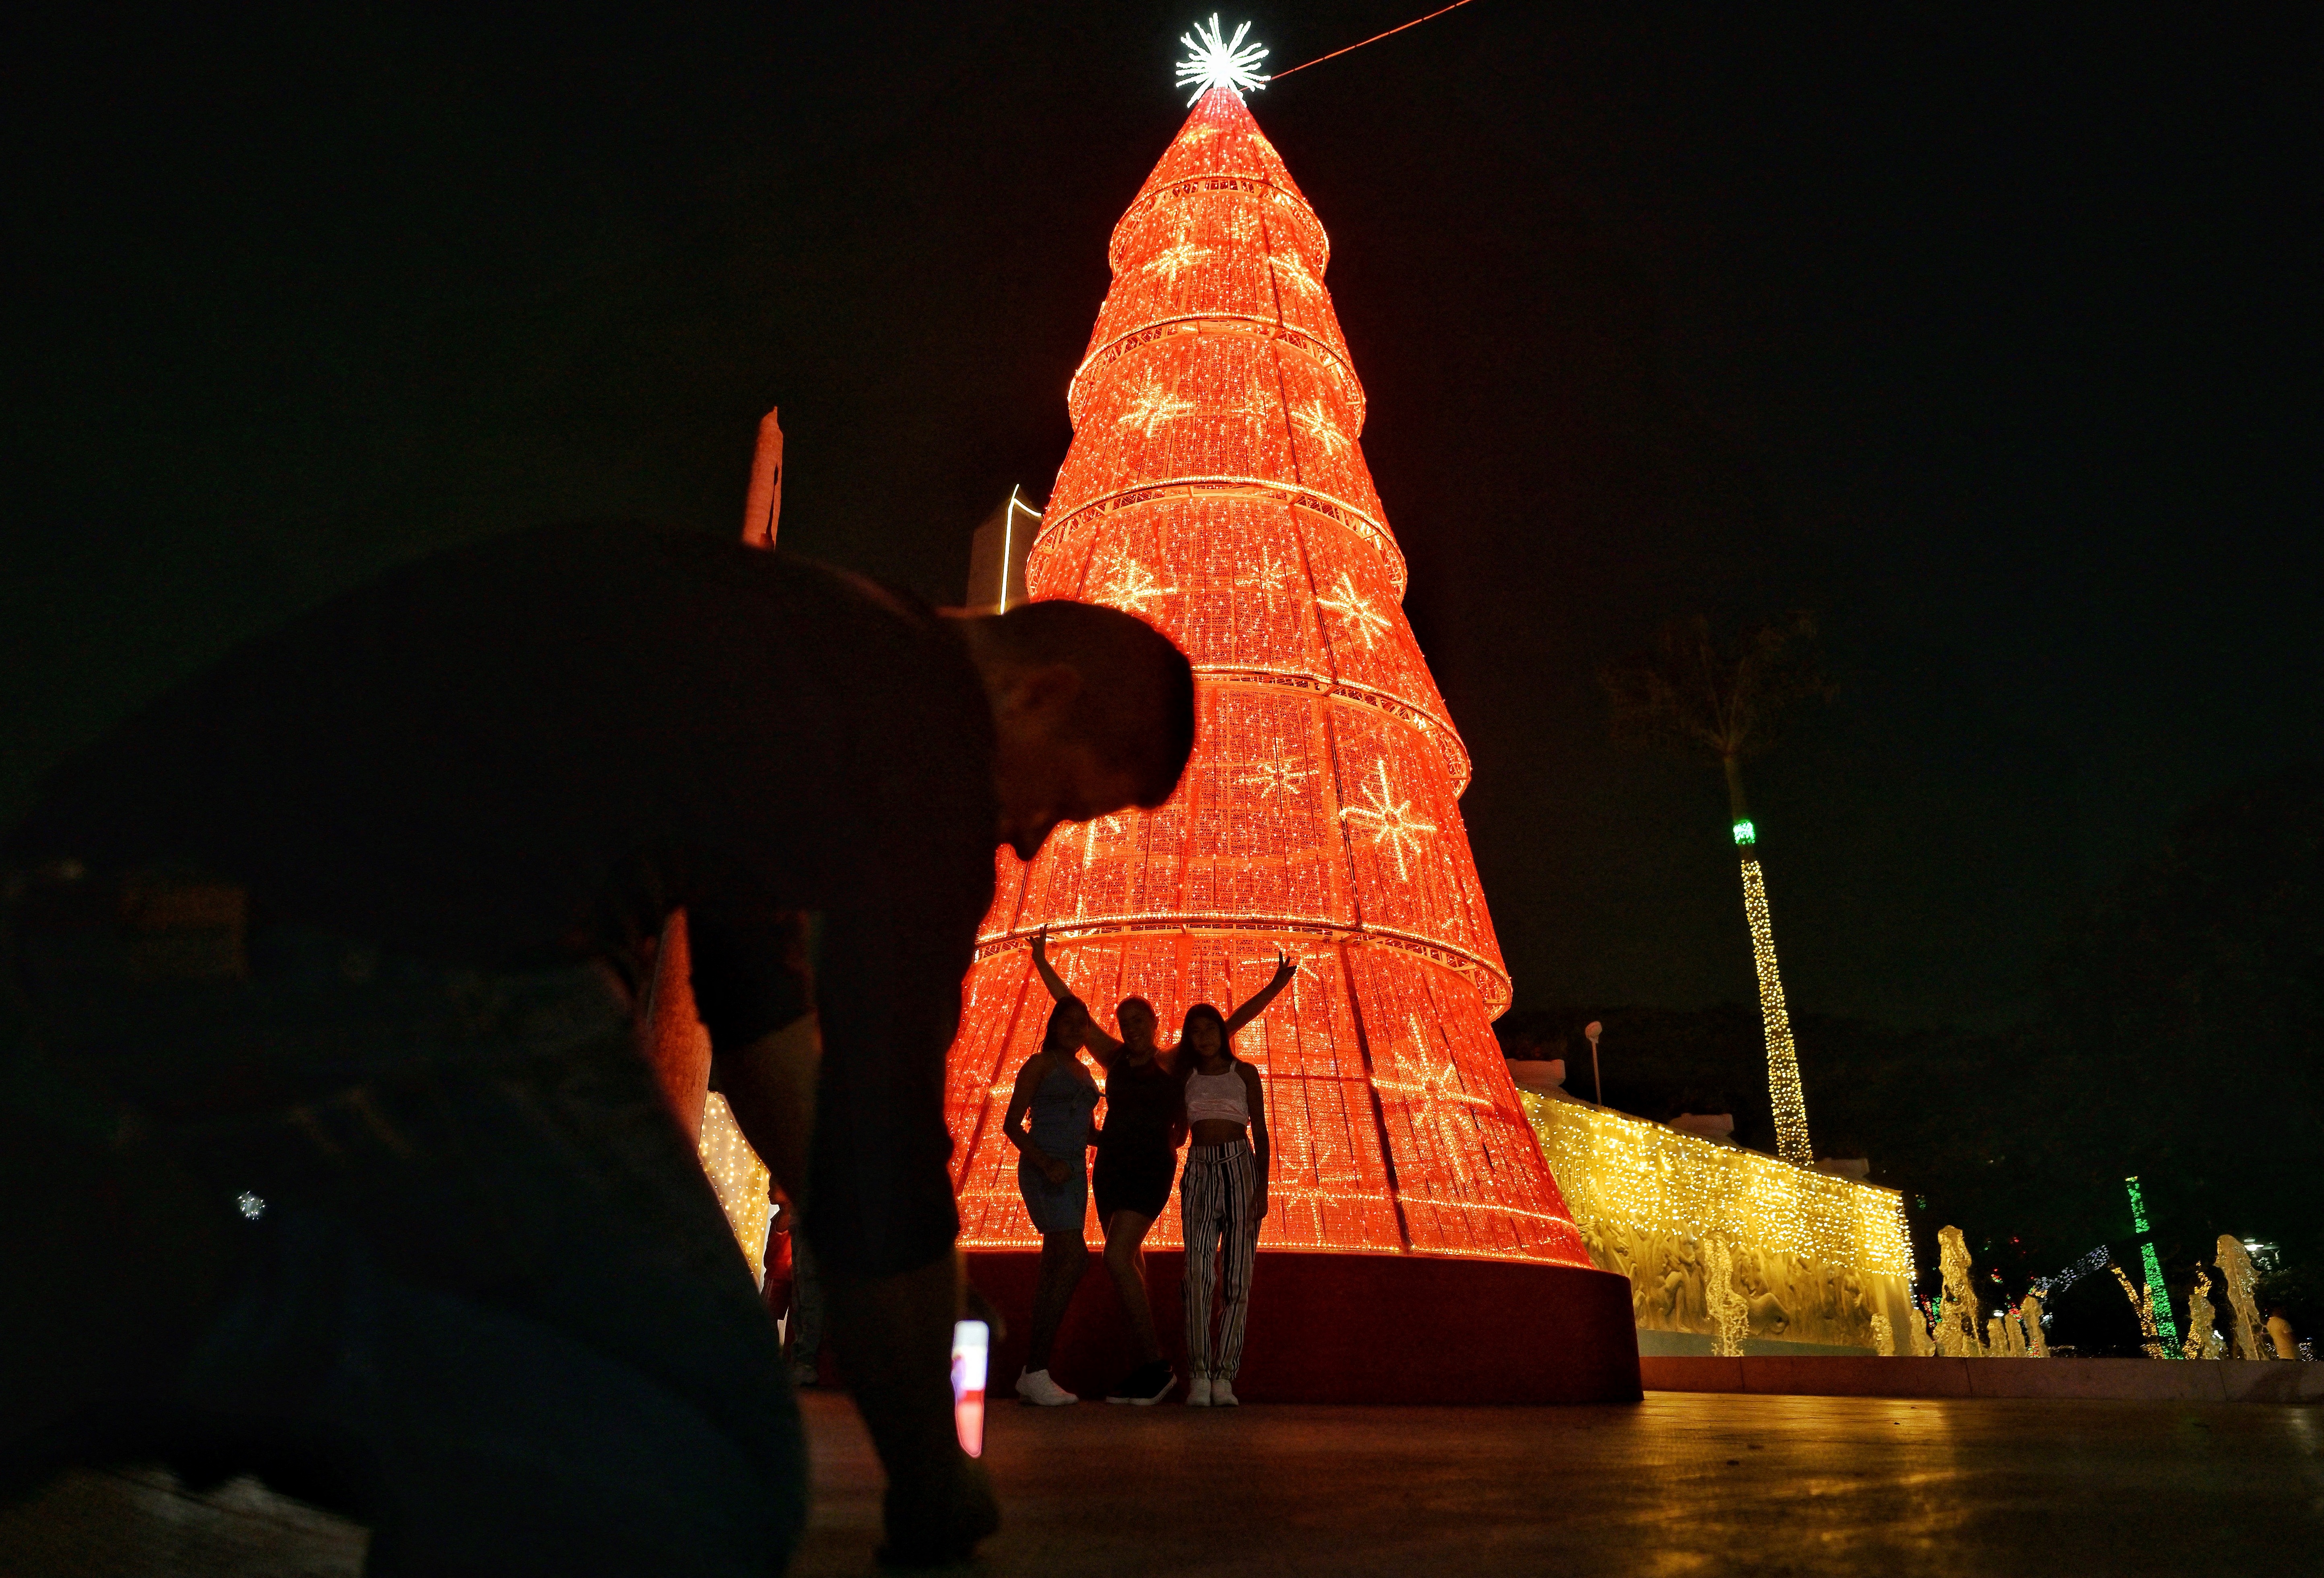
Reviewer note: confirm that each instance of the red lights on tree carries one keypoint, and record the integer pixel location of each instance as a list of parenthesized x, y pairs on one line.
[(1215, 488)]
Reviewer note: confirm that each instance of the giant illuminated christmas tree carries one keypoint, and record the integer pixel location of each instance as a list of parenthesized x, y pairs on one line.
[(1216, 489)]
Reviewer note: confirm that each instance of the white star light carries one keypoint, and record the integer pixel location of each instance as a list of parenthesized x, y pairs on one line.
[(1393, 823), (1317, 423), (1214, 60), (1175, 260), (1293, 270), (1266, 572), (1439, 1109), (1132, 586), (1365, 622), (1254, 407), (1151, 405), (1275, 778), (1093, 833)]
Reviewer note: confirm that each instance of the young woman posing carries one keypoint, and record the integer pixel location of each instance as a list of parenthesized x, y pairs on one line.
[(1052, 1175), (1222, 1194), (1137, 1156)]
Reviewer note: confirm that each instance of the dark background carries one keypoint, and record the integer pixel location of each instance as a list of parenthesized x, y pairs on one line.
[(1991, 338)]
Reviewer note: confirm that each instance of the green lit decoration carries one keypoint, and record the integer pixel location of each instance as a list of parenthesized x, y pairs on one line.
[(2165, 1327), (1745, 832)]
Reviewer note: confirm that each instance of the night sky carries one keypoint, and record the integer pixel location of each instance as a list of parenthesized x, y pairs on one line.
[(1991, 338)]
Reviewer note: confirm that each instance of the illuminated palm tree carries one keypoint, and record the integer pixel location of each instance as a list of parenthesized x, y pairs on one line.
[(1696, 693)]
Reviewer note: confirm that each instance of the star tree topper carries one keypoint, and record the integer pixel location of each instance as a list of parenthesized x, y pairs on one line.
[(1214, 60)]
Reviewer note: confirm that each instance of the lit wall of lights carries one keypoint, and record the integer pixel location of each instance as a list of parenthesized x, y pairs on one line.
[(1811, 1258), (1215, 488), (1790, 1107), (742, 1182)]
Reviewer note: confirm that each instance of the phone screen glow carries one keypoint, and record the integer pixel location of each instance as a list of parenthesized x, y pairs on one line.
[(972, 1341)]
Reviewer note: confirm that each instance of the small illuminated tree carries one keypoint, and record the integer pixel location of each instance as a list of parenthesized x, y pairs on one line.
[(1695, 693)]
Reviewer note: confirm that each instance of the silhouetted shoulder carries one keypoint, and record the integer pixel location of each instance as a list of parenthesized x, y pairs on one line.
[(485, 753)]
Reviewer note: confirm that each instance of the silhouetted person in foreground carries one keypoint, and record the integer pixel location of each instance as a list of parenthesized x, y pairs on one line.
[(327, 1150)]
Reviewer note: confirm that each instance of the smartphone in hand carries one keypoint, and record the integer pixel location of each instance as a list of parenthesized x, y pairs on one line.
[(971, 1344)]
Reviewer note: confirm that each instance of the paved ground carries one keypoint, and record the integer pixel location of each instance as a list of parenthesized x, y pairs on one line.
[(1680, 1484)]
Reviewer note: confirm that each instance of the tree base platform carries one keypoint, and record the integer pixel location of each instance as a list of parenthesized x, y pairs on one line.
[(1345, 1328)]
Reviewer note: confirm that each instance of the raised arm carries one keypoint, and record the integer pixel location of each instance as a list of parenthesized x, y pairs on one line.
[(1055, 982), (1102, 1047), (1257, 1004)]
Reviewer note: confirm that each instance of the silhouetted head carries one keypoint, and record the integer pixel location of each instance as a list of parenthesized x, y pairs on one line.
[(1068, 1024), (1138, 1019), (1092, 713)]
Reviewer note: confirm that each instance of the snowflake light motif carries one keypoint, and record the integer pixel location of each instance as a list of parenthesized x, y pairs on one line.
[(1130, 586), (1438, 1105), (1265, 574), (1292, 269), (1393, 823), (1275, 778), (1093, 833), (1254, 407), (1317, 423), (1152, 404), (1176, 260), (1364, 621), (1214, 60)]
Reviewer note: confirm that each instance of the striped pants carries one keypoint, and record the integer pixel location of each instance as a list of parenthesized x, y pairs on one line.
[(1215, 1210)]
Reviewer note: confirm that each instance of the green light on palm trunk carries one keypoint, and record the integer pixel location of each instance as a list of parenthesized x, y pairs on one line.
[(2158, 1295), (1745, 832), (2164, 1325)]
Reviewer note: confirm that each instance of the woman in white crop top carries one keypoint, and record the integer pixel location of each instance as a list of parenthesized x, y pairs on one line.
[(1223, 1192)]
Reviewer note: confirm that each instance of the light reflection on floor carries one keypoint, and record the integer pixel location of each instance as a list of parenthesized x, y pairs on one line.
[(1683, 1483)]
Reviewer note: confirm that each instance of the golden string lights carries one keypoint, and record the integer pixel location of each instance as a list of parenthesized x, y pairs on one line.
[(1790, 1105), (1617, 1169), (1731, 1243), (1216, 488), (740, 1180)]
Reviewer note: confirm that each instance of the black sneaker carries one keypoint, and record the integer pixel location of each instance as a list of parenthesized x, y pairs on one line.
[(1145, 1385)]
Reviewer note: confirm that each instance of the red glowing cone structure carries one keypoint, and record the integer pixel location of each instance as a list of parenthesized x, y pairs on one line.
[(1216, 489)]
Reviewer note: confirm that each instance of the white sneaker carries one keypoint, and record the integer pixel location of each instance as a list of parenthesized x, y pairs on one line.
[(1037, 1388), (1223, 1394), (1198, 1392)]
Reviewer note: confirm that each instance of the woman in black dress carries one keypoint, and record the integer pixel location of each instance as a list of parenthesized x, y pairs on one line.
[(1136, 1157)]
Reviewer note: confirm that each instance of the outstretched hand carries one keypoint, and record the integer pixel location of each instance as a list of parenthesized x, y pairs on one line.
[(1283, 968)]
